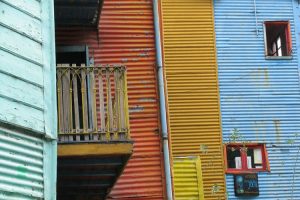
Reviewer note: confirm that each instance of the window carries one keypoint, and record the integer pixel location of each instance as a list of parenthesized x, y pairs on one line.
[(81, 96), (244, 158), (278, 42)]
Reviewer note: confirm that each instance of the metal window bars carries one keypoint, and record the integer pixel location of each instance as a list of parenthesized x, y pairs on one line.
[(92, 103)]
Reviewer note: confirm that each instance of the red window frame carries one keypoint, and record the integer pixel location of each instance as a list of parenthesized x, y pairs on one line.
[(287, 34), (245, 169)]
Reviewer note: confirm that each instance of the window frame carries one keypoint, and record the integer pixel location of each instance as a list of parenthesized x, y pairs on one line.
[(288, 39), (244, 169)]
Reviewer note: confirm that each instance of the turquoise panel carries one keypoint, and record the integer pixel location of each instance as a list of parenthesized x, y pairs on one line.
[(27, 100)]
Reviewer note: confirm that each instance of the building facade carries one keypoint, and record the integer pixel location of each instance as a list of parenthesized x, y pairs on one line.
[(125, 36), (258, 70), (193, 96), (82, 77), (27, 100)]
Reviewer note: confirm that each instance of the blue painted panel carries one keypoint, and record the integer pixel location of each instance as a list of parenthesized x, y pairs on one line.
[(259, 97)]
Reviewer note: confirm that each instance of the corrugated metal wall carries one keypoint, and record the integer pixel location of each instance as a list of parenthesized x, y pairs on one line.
[(191, 73), (21, 168), (188, 182), (260, 97), (126, 35), (27, 100)]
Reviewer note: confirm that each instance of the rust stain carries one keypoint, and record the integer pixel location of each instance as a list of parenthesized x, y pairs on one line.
[(260, 129), (277, 129), (256, 130), (266, 78)]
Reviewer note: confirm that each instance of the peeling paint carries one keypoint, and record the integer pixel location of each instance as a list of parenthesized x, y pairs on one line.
[(137, 108), (147, 100), (266, 77), (277, 129)]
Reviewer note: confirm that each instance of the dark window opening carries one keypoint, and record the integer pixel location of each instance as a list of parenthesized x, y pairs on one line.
[(234, 158), (278, 39)]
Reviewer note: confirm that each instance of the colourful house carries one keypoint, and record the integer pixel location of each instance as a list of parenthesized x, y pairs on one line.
[(93, 93), (193, 98), (92, 89), (27, 100), (258, 70)]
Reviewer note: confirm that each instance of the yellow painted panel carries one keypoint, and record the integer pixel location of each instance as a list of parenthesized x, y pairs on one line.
[(192, 86), (94, 149), (188, 182)]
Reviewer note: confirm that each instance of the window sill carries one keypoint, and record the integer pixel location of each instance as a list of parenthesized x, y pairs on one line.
[(252, 171), (279, 57)]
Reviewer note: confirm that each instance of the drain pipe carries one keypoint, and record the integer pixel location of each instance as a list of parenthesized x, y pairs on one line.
[(162, 101)]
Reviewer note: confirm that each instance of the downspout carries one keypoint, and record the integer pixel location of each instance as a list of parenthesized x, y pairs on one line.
[(162, 101)]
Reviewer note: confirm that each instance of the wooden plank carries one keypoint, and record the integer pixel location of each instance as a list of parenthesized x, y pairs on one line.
[(89, 97), (22, 69), (31, 7), (117, 100), (101, 98), (20, 22), (60, 100), (117, 111), (22, 115), (66, 99), (70, 103), (94, 149), (84, 99), (21, 46), (109, 101), (122, 103), (93, 102), (77, 138), (75, 78), (13, 88)]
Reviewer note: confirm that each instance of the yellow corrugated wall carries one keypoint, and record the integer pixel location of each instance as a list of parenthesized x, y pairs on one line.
[(188, 183), (192, 85)]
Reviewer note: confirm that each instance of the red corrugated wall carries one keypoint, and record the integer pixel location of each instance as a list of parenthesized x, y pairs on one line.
[(126, 36)]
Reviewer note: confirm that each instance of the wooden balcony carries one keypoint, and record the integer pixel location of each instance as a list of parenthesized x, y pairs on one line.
[(94, 138)]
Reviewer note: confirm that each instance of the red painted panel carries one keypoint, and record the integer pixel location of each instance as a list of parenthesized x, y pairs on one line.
[(126, 36)]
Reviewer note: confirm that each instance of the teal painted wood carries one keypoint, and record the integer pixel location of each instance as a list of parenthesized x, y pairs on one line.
[(22, 69), (27, 100), (20, 22), (260, 97), (21, 166), (50, 110), (30, 7)]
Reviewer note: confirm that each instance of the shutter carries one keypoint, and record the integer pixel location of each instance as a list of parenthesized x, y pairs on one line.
[(188, 182), (27, 100)]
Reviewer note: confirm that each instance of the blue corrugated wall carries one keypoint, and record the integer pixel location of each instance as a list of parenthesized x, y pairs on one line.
[(259, 97)]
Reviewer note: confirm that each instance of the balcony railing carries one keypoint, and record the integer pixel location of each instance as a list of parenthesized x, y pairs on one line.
[(92, 103)]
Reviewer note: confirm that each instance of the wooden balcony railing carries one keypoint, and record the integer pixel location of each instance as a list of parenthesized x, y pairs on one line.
[(92, 103)]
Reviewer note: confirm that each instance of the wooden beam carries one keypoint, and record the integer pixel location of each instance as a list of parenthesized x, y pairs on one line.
[(94, 149)]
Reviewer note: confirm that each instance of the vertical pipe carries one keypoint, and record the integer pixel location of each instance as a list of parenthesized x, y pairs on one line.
[(161, 88)]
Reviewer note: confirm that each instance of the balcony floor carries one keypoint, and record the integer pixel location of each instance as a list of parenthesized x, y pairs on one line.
[(90, 170)]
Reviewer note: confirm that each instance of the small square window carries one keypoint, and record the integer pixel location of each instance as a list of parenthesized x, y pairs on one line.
[(278, 42), (245, 158)]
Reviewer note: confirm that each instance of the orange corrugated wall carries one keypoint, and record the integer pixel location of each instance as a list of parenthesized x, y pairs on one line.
[(126, 36)]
